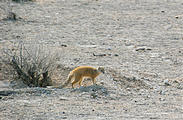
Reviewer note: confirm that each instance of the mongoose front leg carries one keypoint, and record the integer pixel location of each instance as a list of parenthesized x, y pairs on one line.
[(74, 82), (94, 81), (73, 85)]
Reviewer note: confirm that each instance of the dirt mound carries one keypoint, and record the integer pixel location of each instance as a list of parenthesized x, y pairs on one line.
[(128, 82)]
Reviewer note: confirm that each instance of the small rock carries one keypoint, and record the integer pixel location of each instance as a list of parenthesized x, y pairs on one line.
[(162, 92), (176, 17), (125, 110), (63, 45), (140, 49), (63, 98), (143, 49), (116, 55), (109, 49), (149, 49), (166, 82), (154, 117), (93, 95), (18, 36), (101, 55), (128, 89), (12, 16), (161, 99)]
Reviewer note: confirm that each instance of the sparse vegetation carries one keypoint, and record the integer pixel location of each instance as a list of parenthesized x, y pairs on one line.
[(21, 0), (139, 45), (33, 65)]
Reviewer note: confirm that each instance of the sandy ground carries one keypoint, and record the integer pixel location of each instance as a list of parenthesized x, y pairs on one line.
[(139, 42)]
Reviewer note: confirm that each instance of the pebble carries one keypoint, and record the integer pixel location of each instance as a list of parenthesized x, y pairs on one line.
[(166, 82)]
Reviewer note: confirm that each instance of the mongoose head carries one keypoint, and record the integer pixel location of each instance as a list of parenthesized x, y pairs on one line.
[(101, 69)]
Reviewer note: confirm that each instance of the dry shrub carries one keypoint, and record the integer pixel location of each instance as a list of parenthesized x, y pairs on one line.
[(22, 1), (19, 1), (7, 12), (32, 64)]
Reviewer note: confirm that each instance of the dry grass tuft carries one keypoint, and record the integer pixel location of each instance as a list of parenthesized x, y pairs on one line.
[(33, 64)]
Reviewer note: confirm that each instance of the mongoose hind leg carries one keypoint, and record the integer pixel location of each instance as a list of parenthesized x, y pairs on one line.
[(77, 79), (72, 85), (94, 81), (74, 82), (80, 82)]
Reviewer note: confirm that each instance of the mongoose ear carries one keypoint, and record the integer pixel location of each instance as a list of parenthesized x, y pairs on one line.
[(96, 70)]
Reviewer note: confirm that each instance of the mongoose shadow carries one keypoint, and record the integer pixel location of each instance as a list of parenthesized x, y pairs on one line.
[(93, 88)]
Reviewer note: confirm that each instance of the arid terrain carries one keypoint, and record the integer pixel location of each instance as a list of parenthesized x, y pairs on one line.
[(138, 42)]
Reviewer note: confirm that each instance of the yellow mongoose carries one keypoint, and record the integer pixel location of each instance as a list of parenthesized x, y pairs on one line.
[(83, 71)]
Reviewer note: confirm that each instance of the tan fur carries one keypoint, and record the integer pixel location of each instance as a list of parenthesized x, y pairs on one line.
[(78, 74)]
